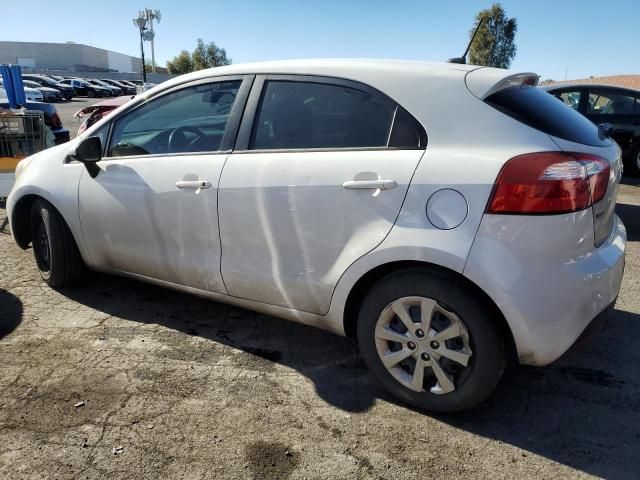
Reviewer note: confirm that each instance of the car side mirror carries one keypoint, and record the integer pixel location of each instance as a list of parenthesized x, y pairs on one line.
[(606, 129), (89, 152)]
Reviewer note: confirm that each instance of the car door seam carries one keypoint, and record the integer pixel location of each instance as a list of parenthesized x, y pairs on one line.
[(224, 164)]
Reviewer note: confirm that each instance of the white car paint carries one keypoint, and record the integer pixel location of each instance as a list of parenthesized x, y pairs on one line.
[(30, 93), (290, 242)]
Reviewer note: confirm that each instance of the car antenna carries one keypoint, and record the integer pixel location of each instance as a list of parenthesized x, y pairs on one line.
[(463, 59)]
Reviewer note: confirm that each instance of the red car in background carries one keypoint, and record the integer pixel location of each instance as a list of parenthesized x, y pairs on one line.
[(95, 112)]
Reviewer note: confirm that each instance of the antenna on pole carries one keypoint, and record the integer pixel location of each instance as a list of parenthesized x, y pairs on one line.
[(151, 16), (463, 59)]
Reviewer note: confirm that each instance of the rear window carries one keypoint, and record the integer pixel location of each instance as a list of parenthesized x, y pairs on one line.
[(538, 109)]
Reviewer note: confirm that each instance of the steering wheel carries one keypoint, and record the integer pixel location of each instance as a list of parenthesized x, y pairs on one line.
[(178, 139)]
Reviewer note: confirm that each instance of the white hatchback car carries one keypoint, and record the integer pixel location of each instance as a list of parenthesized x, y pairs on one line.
[(448, 216)]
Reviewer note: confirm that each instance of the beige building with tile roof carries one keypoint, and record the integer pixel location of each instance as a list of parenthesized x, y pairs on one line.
[(626, 81)]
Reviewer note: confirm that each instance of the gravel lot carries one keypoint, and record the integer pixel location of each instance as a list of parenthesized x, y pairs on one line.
[(118, 379)]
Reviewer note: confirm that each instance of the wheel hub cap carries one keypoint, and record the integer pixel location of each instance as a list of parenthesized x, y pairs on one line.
[(425, 346)]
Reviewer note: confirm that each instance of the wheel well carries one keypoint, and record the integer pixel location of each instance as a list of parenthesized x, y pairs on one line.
[(21, 220), (362, 286)]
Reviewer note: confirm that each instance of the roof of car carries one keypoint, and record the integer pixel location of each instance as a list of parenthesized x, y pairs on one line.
[(330, 66), (390, 76)]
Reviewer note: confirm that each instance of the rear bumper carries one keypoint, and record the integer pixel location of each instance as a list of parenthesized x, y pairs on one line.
[(594, 328), (547, 278)]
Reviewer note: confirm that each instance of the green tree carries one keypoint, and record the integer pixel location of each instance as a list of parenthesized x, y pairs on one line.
[(199, 56), (180, 64), (494, 44), (203, 56), (216, 56)]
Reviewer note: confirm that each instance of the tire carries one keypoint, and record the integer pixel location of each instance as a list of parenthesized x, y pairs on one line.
[(68, 97), (54, 248), (480, 343), (632, 166), (91, 94)]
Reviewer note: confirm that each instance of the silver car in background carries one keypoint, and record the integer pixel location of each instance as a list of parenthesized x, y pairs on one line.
[(448, 216)]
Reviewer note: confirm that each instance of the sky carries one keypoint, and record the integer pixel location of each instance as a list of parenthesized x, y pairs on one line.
[(556, 39)]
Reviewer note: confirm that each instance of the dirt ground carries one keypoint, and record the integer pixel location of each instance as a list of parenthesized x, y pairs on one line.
[(118, 379)]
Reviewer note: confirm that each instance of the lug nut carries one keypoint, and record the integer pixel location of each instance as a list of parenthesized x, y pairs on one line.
[(434, 344), (425, 356), (419, 333), (411, 345)]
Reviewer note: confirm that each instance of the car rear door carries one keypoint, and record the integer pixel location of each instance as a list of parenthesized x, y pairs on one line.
[(615, 107), (317, 179), (152, 208)]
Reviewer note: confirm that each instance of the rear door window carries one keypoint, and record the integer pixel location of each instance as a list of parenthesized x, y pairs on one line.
[(540, 110), (309, 115)]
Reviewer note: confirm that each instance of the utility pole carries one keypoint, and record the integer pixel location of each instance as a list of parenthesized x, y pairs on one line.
[(141, 23), (152, 15)]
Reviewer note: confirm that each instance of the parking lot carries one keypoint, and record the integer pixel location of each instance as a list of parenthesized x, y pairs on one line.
[(118, 379), (67, 109)]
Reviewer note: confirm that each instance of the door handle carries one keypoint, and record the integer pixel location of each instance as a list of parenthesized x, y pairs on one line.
[(370, 184), (198, 184)]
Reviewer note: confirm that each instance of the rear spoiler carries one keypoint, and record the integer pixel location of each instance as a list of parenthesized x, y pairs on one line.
[(483, 82)]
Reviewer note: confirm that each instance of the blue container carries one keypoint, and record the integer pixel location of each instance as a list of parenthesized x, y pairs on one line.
[(12, 79)]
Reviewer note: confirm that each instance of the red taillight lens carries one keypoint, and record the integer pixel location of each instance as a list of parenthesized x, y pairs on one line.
[(549, 182), (55, 121)]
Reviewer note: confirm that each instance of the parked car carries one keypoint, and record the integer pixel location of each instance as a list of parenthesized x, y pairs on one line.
[(129, 83), (48, 94), (67, 91), (85, 89), (114, 91), (142, 86), (51, 118), (126, 89), (349, 195), (29, 93), (91, 114), (602, 104)]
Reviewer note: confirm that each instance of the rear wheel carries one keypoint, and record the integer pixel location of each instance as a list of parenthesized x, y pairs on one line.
[(632, 167), (54, 248), (429, 341)]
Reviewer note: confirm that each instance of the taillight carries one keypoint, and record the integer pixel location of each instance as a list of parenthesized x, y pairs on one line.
[(55, 121), (549, 183)]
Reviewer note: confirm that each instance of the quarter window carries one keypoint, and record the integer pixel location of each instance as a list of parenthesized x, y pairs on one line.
[(603, 102), (306, 115), (571, 99), (193, 119)]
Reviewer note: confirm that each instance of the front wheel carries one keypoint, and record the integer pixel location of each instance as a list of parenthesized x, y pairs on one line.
[(430, 342), (54, 247)]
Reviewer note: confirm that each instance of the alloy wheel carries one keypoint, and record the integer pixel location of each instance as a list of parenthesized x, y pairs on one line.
[(424, 345)]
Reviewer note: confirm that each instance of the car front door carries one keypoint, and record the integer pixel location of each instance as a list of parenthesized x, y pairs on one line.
[(317, 180), (151, 210)]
